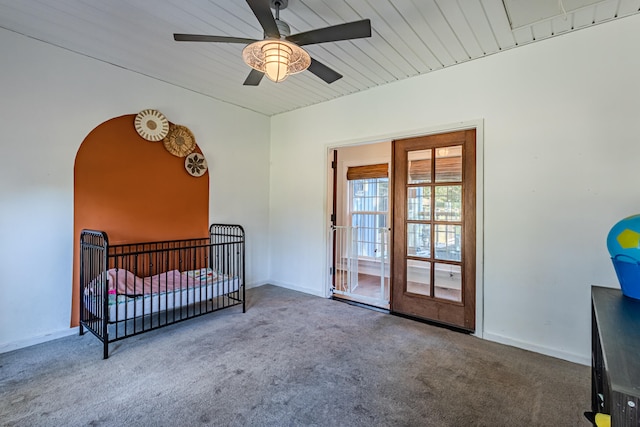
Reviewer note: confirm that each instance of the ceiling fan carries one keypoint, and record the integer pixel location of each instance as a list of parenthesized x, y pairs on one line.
[(279, 54)]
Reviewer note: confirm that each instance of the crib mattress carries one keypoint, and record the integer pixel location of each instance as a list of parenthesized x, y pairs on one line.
[(124, 307)]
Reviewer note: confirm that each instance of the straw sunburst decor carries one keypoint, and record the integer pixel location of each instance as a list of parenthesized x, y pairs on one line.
[(179, 141)]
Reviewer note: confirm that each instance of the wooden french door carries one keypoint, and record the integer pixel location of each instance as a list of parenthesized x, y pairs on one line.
[(433, 264)]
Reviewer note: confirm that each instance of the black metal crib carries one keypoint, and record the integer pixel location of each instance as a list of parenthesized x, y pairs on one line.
[(129, 289)]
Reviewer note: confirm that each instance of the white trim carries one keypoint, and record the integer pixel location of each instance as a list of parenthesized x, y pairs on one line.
[(257, 284), (38, 339), (477, 124), (431, 130), (312, 291), (553, 352)]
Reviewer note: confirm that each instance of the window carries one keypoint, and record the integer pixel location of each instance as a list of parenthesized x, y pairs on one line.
[(369, 205)]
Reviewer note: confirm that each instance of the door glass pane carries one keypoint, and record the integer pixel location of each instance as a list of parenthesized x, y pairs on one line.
[(419, 203), (449, 164), (419, 277), (448, 203), (419, 166), (447, 241), (419, 240), (448, 282)]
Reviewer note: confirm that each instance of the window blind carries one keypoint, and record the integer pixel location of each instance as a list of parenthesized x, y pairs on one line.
[(447, 169), (420, 170), (368, 171)]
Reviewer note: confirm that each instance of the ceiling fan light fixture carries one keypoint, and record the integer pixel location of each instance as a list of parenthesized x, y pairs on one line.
[(278, 59)]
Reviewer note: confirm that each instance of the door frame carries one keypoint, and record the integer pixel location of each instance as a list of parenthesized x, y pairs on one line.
[(478, 125)]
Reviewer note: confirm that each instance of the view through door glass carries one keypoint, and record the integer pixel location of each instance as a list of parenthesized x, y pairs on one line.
[(434, 228)]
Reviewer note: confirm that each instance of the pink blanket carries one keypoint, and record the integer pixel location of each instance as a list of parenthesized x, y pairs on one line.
[(127, 283)]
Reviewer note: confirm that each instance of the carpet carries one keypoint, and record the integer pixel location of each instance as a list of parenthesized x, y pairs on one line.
[(291, 360)]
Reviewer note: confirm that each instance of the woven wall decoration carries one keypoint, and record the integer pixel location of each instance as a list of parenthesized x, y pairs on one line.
[(195, 164), (152, 125), (180, 141)]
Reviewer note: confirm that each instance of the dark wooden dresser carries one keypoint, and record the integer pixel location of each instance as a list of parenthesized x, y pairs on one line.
[(615, 356)]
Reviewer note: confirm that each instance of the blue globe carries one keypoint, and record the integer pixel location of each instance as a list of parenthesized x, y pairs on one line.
[(623, 240)]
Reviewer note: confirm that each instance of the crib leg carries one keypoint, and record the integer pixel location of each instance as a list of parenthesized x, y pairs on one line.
[(105, 349), (81, 329)]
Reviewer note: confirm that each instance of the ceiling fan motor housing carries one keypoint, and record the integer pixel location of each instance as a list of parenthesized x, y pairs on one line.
[(279, 4), (283, 28)]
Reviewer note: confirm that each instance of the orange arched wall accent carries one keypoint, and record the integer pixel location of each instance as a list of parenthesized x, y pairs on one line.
[(135, 190)]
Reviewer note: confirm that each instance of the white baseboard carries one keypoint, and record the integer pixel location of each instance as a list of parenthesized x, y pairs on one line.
[(548, 351), (15, 345), (298, 288), (257, 284)]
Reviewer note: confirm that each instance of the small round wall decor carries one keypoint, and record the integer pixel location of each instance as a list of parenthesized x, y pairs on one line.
[(152, 125), (180, 141), (195, 164)]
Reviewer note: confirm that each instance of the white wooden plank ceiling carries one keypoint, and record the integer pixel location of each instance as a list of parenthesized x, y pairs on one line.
[(409, 38)]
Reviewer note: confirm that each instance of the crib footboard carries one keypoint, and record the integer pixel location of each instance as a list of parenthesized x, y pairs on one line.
[(93, 285), (130, 289)]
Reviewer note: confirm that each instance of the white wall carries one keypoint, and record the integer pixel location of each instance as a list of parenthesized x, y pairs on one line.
[(51, 99), (561, 155)]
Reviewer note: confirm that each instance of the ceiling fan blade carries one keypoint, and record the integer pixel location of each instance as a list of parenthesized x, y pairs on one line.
[(262, 11), (351, 30), (214, 39), (324, 72), (254, 78)]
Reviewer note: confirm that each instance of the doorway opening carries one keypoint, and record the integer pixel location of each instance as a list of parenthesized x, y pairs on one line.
[(360, 220), (403, 233)]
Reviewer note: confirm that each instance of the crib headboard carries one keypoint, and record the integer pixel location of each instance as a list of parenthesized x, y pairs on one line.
[(227, 248)]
